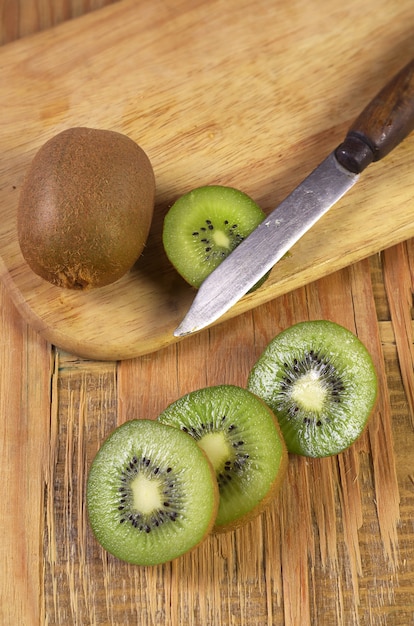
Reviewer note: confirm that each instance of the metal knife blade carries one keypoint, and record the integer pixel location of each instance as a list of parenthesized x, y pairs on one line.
[(382, 125)]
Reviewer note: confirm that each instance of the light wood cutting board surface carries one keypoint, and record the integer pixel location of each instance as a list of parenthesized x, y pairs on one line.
[(252, 95)]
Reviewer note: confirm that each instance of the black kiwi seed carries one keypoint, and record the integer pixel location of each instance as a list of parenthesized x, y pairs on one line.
[(320, 381), (328, 379), (151, 493), (145, 468), (233, 238), (240, 458)]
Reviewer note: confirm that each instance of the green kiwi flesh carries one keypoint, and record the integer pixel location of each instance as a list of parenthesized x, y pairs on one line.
[(151, 493), (243, 441), (204, 225), (85, 208), (320, 381)]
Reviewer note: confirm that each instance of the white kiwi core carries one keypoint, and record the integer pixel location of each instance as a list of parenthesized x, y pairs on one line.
[(309, 392), (216, 447), (221, 239), (146, 494)]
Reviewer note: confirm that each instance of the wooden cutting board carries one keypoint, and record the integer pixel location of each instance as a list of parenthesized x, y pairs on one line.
[(234, 92)]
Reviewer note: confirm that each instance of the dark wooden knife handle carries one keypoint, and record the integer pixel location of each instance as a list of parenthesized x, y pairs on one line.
[(382, 125)]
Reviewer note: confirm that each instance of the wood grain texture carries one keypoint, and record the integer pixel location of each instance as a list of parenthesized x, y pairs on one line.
[(21, 18), (214, 94), (24, 450), (399, 286), (336, 547)]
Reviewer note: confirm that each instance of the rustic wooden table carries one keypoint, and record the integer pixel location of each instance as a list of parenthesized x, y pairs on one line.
[(337, 547)]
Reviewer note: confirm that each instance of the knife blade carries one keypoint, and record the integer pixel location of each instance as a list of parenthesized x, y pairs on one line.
[(381, 126)]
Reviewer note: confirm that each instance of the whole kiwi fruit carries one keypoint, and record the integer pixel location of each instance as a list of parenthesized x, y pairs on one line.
[(85, 208)]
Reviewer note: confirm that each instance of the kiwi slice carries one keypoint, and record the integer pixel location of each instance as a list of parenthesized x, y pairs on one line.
[(204, 225), (151, 493), (320, 381), (242, 439)]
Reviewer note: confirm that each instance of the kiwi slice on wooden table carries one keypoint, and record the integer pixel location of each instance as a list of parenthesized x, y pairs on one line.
[(204, 225), (152, 494), (320, 381), (242, 439)]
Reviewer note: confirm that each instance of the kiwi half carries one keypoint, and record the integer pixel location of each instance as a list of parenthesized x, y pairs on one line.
[(320, 381), (204, 225), (242, 439), (151, 493)]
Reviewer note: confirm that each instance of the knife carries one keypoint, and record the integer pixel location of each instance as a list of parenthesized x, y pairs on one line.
[(382, 125)]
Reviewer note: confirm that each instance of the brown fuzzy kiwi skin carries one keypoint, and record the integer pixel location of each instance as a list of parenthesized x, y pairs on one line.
[(85, 208), (271, 494)]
